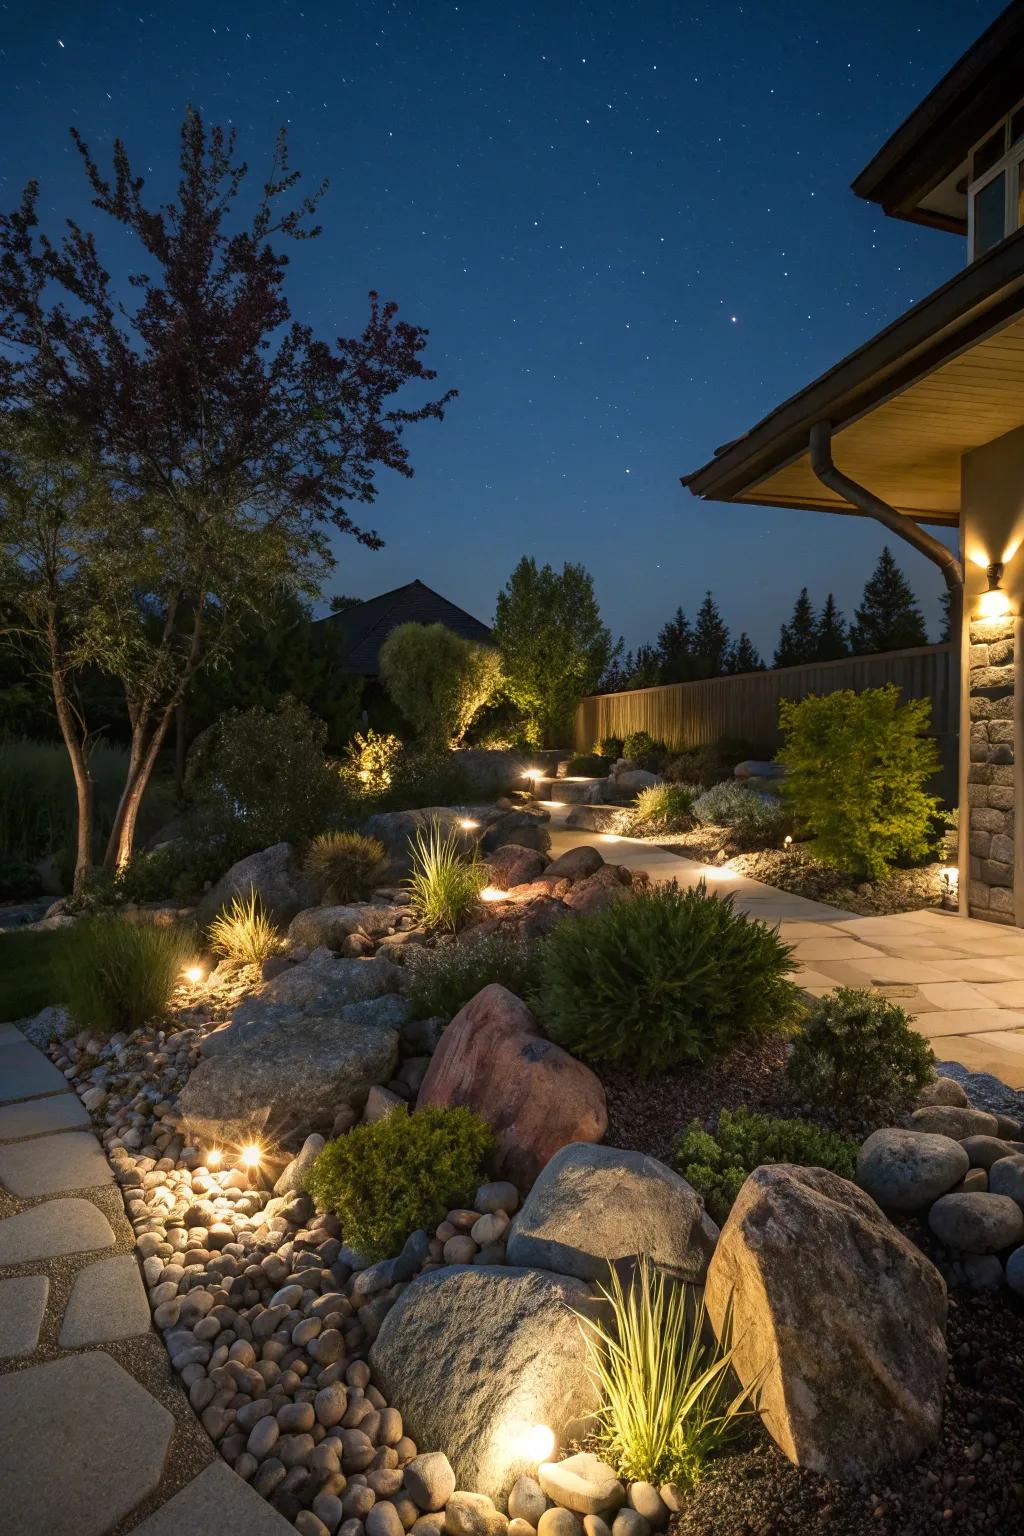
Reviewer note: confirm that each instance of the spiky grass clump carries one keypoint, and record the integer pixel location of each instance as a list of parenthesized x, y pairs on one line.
[(114, 975), (662, 808), (243, 933), (345, 866), (666, 1407), (444, 887)]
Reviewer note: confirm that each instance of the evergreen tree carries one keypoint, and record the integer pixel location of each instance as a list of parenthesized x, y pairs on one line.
[(832, 641), (946, 627), (710, 640), (744, 656), (645, 667), (889, 618), (798, 640), (675, 648)]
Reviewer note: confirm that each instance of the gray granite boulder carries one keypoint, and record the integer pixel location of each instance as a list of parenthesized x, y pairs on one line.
[(593, 1205), (953, 1120), (978, 1223), (1006, 1177), (944, 1090), (395, 830), (273, 874), (576, 863), (321, 986), (525, 828), (330, 926), (906, 1170), (488, 772), (479, 1355)]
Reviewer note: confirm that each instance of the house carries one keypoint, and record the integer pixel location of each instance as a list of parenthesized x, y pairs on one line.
[(367, 625), (925, 425)]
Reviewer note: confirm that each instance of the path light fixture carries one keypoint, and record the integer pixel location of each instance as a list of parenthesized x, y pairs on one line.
[(214, 1157), (534, 775), (252, 1155), (994, 603), (193, 974), (468, 824), (950, 877)]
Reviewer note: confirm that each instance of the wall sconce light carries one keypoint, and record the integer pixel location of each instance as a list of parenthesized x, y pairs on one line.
[(950, 877), (994, 603)]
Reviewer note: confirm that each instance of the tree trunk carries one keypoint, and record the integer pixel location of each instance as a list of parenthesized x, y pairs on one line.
[(179, 750), (83, 783), (121, 843)]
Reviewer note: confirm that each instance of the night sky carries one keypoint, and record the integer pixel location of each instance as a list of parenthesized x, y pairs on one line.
[(627, 225)]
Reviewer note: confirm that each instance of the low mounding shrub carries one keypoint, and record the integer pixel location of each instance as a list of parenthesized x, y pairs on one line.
[(588, 765), (667, 1400), (179, 869), (665, 978), (444, 979), (718, 1163), (344, 866), (609, 747), (753, 817), (369, 764), (641, 748), (662, 808), (113, 975), (243, 933), (444, 886), (399, 1175), (858, 764), (859, 1053)]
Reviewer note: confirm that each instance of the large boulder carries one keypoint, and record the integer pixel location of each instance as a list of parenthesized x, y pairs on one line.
[(595, 818), (953, 1120), (512, 864), (493, 1059), (525, 828), (488, 772), (331, 926), (322, 987), (577, 863), (905, 1171), (633, 780), (275, 877), (594, 1205), (977, 1222), (837, 1321), (599, 890), (395, 830), (477, 1356)]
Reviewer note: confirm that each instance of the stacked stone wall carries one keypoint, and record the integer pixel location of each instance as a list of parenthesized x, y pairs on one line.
[(990, 775)]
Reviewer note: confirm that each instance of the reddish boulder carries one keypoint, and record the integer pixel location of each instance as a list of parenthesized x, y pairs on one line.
[(577, 863), (599, 890), (493, 1059), (545, 885), (514, 865)]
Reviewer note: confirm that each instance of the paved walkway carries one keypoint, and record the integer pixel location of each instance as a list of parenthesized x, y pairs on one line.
[(96, 1433), (961, 980)]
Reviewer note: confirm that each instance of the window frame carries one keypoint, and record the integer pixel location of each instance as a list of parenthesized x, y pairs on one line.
[(1010, 165)]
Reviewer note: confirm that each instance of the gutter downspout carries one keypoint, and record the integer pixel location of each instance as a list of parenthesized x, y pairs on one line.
[(903, 527)]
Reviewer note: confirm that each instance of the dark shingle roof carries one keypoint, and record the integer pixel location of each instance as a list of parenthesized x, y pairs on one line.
[(367, 625)]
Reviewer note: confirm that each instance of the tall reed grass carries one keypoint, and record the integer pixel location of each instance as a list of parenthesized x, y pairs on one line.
[(112, 974)]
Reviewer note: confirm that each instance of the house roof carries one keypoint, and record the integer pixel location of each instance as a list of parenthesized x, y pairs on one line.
[(916, 174), (367, 625), (944, 378)]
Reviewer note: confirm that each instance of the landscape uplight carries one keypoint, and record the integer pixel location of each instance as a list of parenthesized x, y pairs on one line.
[(252, 1155), (468, 824), (533, 774), (214, 1157), (491, 893), (193, 974)]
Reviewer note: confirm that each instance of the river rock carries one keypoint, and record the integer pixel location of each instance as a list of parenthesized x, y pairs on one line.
[(275, 877), (331, 926), (1006, 1177), (582, 1483), (838, 1318), (944, 1090), (977, 1223), (906, 1170), (953, 1120), (592, 1205)]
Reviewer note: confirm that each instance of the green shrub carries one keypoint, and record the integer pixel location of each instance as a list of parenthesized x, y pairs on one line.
[(243, 933), (588, 765), (113, 975), (444, 885), (180, 870), (667, 1398), (399, 1175), (444, 979), (260, 776), (859, 1053), (664, 978), (426, 777), (641, 748), (344, 866), (609, 747), (370, 764), (662, 808), (19, 880), (717, 1164), (858, 764), (756, 818), (439, 680)]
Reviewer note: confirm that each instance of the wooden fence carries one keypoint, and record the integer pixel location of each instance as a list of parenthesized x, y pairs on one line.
[(698, 714)]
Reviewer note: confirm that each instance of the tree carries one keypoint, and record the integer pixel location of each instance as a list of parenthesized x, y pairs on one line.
[(798, 640), (888, 618), (341, 604), (946, 624), (643, 670), (439, 680), (710, 640), (231, 438), (675, 649), (744, 656), (553, 645), (832, 640)]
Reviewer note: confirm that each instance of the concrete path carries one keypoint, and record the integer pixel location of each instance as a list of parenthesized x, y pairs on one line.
[(960, 979), (96, 1433)]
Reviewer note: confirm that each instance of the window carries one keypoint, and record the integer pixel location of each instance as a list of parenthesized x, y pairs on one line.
[(995, 192)]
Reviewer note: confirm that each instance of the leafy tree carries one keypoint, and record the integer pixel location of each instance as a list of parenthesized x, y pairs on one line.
[(232, 440), (553, 645), (341, 604), (888, 618), (710, 640), (832, 640), (743, 656), (439, 680), (675, 648), (798, 640)]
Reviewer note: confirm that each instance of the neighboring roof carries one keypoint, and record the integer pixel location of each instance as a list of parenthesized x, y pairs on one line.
[(944, 378), (367, 625), (932, 142)]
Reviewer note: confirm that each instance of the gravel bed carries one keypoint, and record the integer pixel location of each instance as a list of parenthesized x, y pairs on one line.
[(984, 1090)]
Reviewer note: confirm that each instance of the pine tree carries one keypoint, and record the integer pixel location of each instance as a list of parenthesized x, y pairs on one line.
[(744, 656), (889, 618), (946, 627), (798, 640), (710, 640), (832, 641), (675, 648), (646, 668)]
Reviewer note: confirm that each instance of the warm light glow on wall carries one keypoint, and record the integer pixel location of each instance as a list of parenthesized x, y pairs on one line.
[(993, 604)]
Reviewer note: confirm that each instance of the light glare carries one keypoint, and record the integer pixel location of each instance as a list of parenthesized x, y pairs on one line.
[(251, 1155), (214, 1157), (491, 893), (193, 974)]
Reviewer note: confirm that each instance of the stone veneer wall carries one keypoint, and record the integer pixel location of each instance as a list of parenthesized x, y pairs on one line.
[(990, 775)]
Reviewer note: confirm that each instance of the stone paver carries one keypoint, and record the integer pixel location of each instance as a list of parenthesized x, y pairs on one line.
[(81, 1443), (108, 1301), (54, 1228), (10, 1034), (216, 1503), (49, 1164), (36, 1117), (22, 1306), (25, 1072)]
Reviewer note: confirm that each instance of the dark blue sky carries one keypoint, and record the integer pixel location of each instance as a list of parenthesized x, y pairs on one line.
[(627, 225)]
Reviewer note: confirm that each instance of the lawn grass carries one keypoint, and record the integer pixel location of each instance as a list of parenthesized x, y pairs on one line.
[(27, 972)]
